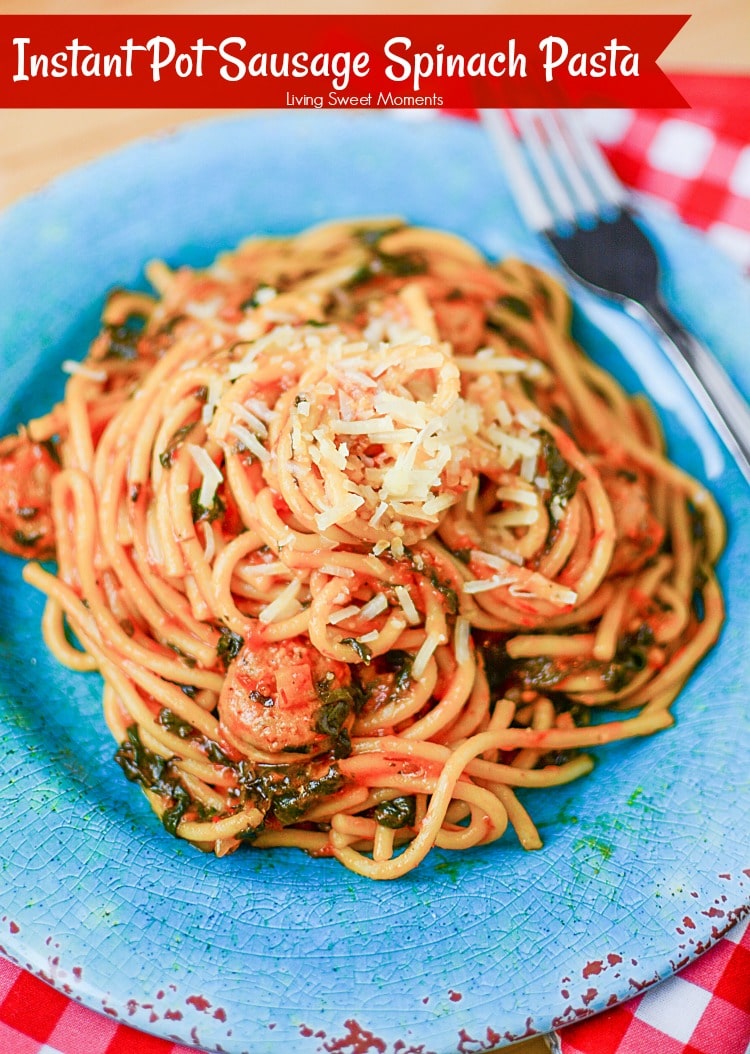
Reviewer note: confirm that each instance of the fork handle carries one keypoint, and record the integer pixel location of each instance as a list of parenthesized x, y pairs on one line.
[(725, 407)]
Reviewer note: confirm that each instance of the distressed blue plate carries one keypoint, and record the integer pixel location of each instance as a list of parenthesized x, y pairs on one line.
[(645, 863)]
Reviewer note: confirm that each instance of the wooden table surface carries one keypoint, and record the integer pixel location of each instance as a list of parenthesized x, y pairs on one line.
[(36, 145)]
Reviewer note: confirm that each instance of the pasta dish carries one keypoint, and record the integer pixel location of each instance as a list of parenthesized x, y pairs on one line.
[(361, 543)]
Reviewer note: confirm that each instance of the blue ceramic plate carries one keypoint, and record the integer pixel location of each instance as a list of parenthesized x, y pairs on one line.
[(645, 863)]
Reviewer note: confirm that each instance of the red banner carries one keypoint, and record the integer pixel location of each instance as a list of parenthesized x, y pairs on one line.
[(346, 61)]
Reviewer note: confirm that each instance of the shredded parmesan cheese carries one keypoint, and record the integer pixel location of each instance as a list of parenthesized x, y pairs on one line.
[(521, 593), (374, 607), (260, 409), (528, 467), (283, 606), (209, 407), (249, 571), (401, 409), (343, 613), (377, 516), (250, 442), (408, 606), (264, 295), (504, 416), (79, 370), (203, 309), (211, 474), (362, 428), (339, 514), (423, 656), (500, 561), (433, 506), (253, 422), (517, 444), (501, 364), (484, 585)]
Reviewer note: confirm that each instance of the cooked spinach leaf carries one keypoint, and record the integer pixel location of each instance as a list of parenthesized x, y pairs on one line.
[(515, 305), (158, 775), (451, 597), (337, 705), (200, 512), (228, 647), (167, 455), (400, 265), (27, 539), (123, 340), (399, 663), (174, 724), (630, 658), (563, 479), (361, 650), (288, 791), (398, 812)]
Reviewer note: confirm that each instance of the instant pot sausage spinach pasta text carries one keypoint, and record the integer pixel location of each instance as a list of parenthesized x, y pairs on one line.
[(360, 542)]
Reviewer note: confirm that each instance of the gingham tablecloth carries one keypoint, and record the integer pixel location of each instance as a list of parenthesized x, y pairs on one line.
[(705, 1009), (696, 162)]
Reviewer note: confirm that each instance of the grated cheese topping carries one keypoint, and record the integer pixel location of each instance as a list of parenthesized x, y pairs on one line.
[(208, 409), (499, 560), (379, 437), (484, 585), (423, 656), (250, 442), (337, 572), (250, 571), (343, 614), (408, 606), (78, 369), (253, 423), (211, 474), (374, 607), (285, 604)]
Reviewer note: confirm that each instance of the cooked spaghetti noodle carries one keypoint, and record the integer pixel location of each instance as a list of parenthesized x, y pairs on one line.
[(358, 539)]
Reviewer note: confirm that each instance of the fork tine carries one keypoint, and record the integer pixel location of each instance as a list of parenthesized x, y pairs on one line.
[(559, 135), (526, 193), (593, 162), (529, 123)]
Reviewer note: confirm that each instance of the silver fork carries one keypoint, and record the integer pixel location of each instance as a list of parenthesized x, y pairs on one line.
[(566, 191)]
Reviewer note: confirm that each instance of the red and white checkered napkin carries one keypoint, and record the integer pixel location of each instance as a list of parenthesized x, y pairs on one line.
[(37, 1019), (698, 163), (705, 1009)]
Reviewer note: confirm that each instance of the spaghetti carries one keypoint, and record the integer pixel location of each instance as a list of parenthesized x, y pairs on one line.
[(358, 539)]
